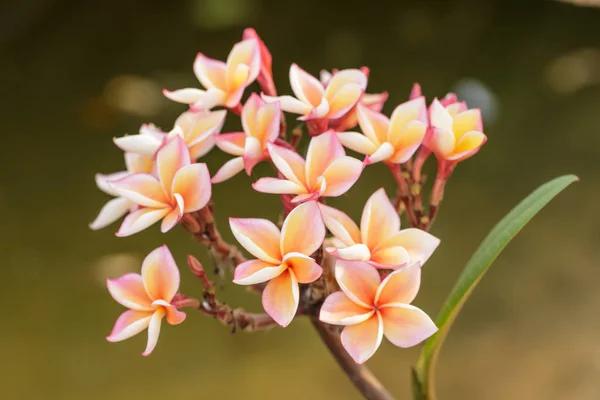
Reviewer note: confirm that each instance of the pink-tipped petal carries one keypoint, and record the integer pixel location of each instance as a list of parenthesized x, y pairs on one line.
[(154, 331), (405, 325), (104, 181), (340, 225), (253, 154), (418, 243), (252, 272), (129, 324), (357, 142), (277, 186), (213, 97), (379, 219), (173, 156), (304, 197), (280, 298), (232, 143), (192, 183), (244, 53), (344, 100), (401, 286), (468, 145), (383, 152), (129, 291), (306, 87), (211, 73), (289, 104), (342, 78), (412, 110), (341, 175), (171, 219), (142, 189), (356, 252), (439, 116), (303, 230), (112, 211), (338, 309), (322, 151), (267, 122), (289, 163), (174, 316), (259, 236), (373, 124), (362, 340), (467, 121), (139, 144), (137, 163), (185, 96), (161, 275), (408, 141), (390, 257), (441, 141), (228, 170), (141, 219), (200, 127), (306, 270), (359, 280), (249, 113)]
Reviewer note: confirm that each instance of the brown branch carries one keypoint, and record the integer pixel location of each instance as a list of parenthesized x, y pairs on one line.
[(364, 380), (403, 193)]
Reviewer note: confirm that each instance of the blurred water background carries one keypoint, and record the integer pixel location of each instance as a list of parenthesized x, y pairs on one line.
[(75, 74)]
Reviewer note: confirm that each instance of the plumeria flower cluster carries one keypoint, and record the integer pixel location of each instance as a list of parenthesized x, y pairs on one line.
[(363, 276)]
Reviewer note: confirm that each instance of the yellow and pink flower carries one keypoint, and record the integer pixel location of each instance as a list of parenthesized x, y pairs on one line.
[(224, 83), (393, 140), (327, 171), (282, 257), (176, 187), (370, 308), (149, 297), (379, 240), (261, 127)]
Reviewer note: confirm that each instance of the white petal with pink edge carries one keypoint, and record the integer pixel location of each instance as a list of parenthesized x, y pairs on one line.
[(229, 170), (379, 219), (401, 286), (405, 325), (280, 298), (192, 183), (306, 270), (129, 324), (154, 331), (340, 225), (252, 272), (338, 309), (259, 236), (111, 211), (359, 280), (141, 219), (362, 340), (129, 291), (160, 274), (303, 230)]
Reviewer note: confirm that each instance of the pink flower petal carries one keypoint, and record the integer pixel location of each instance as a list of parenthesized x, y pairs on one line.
[(359, 280), (401, 286), (306, 270), (341, 175), (407, 141), (419, 244), (232, 143), (441, 141), (467, 121), (129, 324), (211, 73), (362, 340), (141, 219), (277, 186), (229, 170), (244, 53), (303, 230), (356, 252), (185, 96), (340, 225), (357, 142), (289, 163), (173, 156), (390, 257), (289, 104), (373, 124), (112, 211), (303, 197), (140, 144), (343, 78), (253, 154), (138, 163), (199, 127), (412, 110), (213, 97), (142, 189), (280, 298), (174, 316), (171, 219), (306, 87), (405, 325), (104, 181), (154, 331), (338, 309), (129, 291), (267, 122), (259, 236), (161, 275), (249, 113), (192, 183), (439, 116), (384, 152), (322, 151), (252, 272), (379, 219), (344, 100), (468, 145)]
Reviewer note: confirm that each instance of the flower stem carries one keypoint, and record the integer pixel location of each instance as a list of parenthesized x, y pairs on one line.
[(362, 378)]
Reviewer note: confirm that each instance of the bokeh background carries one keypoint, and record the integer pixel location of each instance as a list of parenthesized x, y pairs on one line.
[(75, 74)]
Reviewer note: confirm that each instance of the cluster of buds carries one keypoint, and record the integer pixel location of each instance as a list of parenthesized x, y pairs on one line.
[(364, 276)]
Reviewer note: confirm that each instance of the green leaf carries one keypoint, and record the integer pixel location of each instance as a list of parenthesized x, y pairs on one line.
[(477, 266)]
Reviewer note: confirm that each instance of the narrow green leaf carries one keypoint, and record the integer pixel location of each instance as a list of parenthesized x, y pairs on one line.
[(477, 266)]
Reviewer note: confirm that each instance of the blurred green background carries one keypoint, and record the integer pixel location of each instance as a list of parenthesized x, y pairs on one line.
[(75, 74)]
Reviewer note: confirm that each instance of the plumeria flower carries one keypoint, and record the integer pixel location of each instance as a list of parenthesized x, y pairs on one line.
[(119, 206), (315, 101), (326, 172), (282, 257), (370, 308), (457, 132), (176, 188), (149, 297), (265, 76), (393, 140), (379, 240), (224, 82), (261, 126), (349, 120), (198, 129)]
